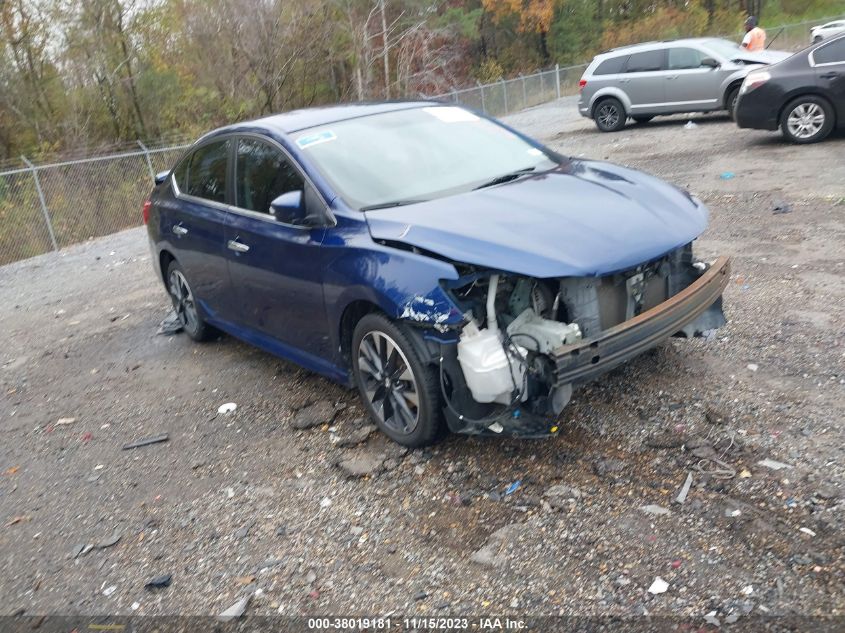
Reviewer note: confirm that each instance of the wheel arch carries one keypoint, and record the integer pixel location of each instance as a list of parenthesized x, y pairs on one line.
[(165, 257), (605, 93), (733, 84), (349, 318)]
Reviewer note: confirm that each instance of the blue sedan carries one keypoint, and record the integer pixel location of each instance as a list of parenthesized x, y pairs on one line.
[(459, 274)]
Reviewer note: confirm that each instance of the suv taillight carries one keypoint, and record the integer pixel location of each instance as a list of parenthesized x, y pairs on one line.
[(146, 212), (582, 84)]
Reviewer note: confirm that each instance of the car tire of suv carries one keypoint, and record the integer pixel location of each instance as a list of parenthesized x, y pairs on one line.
[(184, 303), (805, 111), (609, 115), (730, 102), (400, 391)]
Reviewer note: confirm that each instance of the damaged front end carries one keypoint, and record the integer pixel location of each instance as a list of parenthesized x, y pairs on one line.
[(509, 366)]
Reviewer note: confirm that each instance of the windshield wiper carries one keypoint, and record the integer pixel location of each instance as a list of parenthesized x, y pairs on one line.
[(498, 180), (387, 205)]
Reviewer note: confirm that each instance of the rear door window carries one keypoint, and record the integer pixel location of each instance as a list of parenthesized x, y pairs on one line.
[(263, 173), (611, 66), (206, 175), (684, 58), (646, 61), (833, 53)]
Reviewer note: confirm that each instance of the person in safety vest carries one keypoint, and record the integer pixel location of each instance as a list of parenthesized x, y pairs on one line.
[(755, 37)]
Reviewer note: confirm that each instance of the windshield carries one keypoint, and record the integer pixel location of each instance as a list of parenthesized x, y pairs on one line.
[(725, 48), (408, 156)]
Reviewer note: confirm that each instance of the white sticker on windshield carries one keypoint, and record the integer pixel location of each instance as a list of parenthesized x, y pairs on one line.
[(534, 152), (315, 139), (450, 114)]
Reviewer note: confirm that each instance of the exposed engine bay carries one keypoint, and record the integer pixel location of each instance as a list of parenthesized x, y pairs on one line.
[(519, 332)]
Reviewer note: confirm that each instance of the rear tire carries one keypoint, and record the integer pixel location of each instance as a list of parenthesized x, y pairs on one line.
[(730, 102), (642, 119), (400, 392), (185, 304), (609, 115), (807, 119)]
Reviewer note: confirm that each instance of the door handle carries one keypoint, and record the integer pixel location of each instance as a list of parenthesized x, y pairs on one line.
[(830, 75), (238, 247), (179, 230)]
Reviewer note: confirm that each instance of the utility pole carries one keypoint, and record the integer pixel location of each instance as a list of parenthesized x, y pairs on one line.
[(385, 56)]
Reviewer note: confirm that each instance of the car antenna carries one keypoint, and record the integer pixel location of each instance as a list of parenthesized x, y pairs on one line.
[(775, 37)]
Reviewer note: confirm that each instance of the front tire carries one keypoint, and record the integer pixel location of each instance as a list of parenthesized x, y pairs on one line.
[(730, 102), (400, 391), (185, 304), (807, 119), (609, 115)]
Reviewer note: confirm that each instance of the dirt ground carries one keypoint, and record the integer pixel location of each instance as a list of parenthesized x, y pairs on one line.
[(244, 504)]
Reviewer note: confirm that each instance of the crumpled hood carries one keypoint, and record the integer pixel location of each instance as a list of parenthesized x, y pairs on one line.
[(763, 57), (584, 218)]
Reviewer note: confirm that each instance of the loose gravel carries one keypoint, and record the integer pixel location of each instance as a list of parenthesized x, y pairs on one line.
[(293, 500)]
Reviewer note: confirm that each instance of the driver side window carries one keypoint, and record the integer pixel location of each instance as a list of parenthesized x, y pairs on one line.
[(262, 174), (684, 58)]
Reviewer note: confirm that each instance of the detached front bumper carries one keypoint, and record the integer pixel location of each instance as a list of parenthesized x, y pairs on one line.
[(587, 359)]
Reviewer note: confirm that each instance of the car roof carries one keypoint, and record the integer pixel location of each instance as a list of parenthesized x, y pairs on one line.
[(656, 44), (295, 120)]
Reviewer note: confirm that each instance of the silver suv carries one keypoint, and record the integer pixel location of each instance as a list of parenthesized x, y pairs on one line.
[(646, 80)]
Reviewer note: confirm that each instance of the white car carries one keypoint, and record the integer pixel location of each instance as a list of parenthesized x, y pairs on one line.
[(819, 33)]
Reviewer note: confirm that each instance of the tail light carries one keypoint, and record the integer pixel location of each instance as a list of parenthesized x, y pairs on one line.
[(148, 204), (754, 80), (582, 84)]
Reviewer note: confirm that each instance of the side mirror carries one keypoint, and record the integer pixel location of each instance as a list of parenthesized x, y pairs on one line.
[(289, 208), (710, 62)]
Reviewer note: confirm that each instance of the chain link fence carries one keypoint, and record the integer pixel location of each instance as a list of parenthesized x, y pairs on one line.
[(511, 95), (47, 207)]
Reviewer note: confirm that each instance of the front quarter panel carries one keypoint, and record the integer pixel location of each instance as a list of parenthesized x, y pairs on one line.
[(403, 284)]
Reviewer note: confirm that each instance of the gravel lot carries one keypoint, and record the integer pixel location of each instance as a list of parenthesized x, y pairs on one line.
[(245, 504)]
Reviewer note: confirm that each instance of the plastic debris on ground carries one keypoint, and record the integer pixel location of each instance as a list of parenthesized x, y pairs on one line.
[(781, 207), (146, 441), (236, 610), (690, 125), (807, 531), (773, 464), (109, 590), (711, 619), (513, 487), (727, 175), (654, 509), (229, 407), (658, 586), (170, 325), (753, 366), (682, 495), (65, 421), (325, 503)]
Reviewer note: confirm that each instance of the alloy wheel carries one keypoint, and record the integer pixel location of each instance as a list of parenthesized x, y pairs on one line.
[(806, 120), (608, 115), (389, 382), (183, 301)]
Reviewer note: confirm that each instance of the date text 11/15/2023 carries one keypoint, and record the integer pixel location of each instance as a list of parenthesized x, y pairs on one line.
[(476, 624)]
